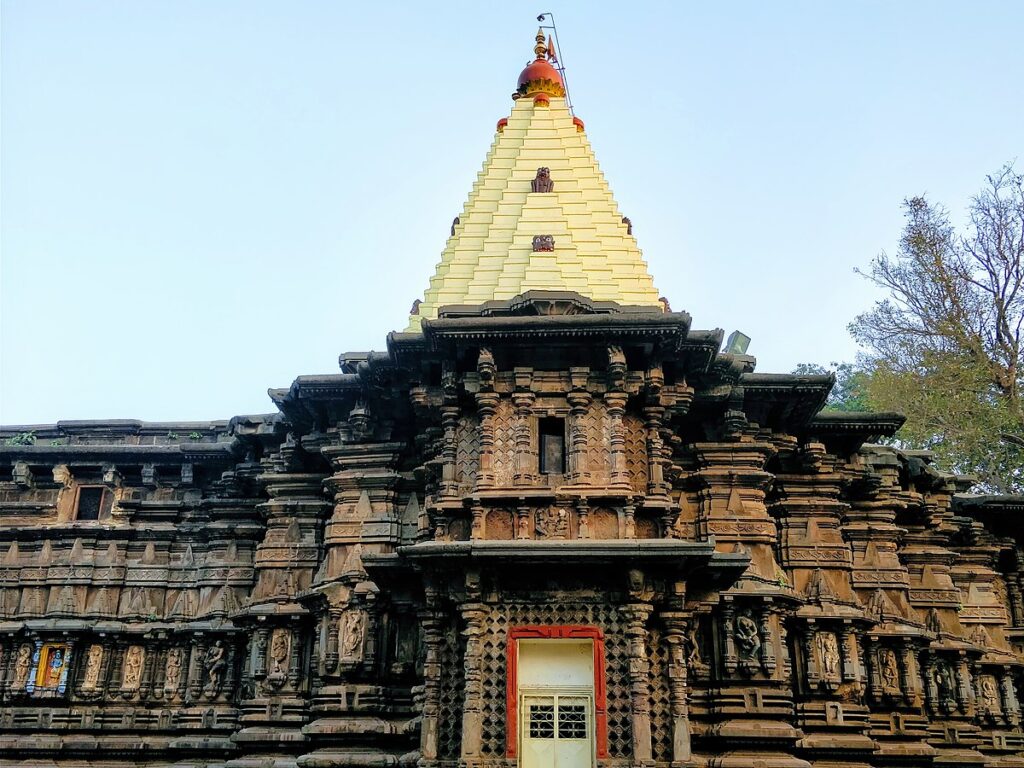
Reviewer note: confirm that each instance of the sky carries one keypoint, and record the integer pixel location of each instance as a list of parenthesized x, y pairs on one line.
[(200, 200)]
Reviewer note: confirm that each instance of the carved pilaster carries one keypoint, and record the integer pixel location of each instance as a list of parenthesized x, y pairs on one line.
[(656, 485), (449, 451), (486, 404), (616, 404), (433, 635), (472, 711), (675, 637), (525, 459), (639, 674), (579, 405)]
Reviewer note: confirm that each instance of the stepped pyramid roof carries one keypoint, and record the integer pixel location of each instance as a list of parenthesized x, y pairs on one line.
[(510, 239)]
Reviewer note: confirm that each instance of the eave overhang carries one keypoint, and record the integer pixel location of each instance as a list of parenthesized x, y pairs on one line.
[(671, 557)]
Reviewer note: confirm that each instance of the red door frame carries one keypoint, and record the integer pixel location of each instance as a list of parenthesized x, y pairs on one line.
[(515, 634)]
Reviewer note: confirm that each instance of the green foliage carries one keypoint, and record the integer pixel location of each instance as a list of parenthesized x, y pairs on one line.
[(849, 393), (945, 346), (172, 435), (195, 436), (22, 438)]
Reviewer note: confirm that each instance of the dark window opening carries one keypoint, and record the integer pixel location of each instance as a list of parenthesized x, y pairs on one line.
[(91, 503), (552, 446)]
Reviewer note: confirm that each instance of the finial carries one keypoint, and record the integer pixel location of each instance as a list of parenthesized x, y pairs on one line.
[(540, 48)]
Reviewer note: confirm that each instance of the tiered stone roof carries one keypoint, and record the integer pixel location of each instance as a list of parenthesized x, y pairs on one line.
[(491, 253)]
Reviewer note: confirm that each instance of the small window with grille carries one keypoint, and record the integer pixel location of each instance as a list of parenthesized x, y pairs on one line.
[(542, 721), (572, 719), (92, 503)]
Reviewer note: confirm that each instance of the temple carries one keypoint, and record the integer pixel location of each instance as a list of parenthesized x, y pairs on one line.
[(553, 525)]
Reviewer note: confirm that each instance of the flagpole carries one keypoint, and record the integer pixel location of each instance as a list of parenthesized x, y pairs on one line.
[(558, 55)]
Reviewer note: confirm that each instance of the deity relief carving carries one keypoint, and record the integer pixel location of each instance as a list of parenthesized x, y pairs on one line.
[(22, 665), (280, 649), (353, 630), (215, 664), (890, 671), (93, 660), (172, 671), (828, 654), (748, 640), (695, 656), (132, 676), (553, 524), (944, 686), (989, 696)]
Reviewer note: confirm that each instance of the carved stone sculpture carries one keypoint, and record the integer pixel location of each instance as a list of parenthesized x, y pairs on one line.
[(629, 225), (214, 664), (22, 665), (93, 660), (553, 524), (748, 641), (828, 652), (944, 686), (132, 676), (352, 641), (890, 671), (172, 671), (543, 243), (989, 695), (542, 182), (280, 648)]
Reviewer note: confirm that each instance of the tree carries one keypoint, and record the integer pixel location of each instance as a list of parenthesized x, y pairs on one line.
[(945, 346), (850, 390)]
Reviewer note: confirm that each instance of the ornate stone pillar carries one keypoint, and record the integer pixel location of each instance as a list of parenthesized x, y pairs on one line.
[(656, 485), (432, 622), (473, 613), (1011, 706), (675, 637), (525, 462), (486, 404), (616, 404), (729, 640), (449, 451), (767, 640), (639, 674), (579, 405)]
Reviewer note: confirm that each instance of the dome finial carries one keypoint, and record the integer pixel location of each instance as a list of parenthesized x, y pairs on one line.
[(540, 80), (541, 48)]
